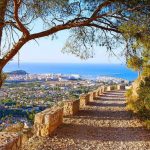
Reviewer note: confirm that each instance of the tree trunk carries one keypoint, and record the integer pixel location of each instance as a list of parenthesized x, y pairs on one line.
[(3, 5), (9, 56), (2, 78)]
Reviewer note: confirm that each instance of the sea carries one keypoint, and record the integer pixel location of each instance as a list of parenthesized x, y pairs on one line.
[(84, 70)]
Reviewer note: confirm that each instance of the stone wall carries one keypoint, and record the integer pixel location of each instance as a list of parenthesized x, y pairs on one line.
[(48, 120), (103, 89), (97, 92), (94, 94), (90, 96), (120, 87), (100, 91), (108, 88), (10, 141), (111, 87), (71, 107), (84, 99)]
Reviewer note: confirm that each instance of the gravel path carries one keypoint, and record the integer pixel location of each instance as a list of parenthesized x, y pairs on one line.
[(102, 125)]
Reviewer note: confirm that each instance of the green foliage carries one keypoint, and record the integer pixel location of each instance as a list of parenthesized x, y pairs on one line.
[(130, 100), (135, 63), (12, 112), (137, 34), (144, 93), (140, 104), (129, 93), (7, 102), (31, 115), (147, 124), (3, 76), (146, 61)]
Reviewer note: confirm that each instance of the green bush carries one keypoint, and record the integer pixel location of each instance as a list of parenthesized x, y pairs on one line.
[(143, 104), (130, 100), (147, 124), (140, 104)]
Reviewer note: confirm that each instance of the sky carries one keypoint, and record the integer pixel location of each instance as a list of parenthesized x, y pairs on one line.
[(46, 50), (49, 51)]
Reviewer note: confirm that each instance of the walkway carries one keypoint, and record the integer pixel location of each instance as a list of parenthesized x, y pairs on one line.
[(102, 125)]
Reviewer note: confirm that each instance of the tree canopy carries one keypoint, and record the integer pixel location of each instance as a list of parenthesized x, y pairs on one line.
[(89, 22), (137, 34)]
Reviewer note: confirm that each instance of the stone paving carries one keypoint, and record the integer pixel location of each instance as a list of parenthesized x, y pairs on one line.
[(103, 124)]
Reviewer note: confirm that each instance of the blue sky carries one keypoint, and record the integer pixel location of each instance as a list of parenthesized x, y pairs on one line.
[(49, 51)]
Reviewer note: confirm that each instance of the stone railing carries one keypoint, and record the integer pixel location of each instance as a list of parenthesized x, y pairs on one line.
[(90, 97), (84, 99), (50, 119), (121, 87), (71, 107), (10, 141)]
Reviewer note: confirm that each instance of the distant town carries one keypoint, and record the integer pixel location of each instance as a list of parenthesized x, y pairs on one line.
[(24, 94)]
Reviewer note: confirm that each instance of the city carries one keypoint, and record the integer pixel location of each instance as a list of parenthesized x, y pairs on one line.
[(23, 94)]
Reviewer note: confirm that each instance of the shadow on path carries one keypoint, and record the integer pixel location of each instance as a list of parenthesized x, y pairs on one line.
[(101, 104), (103, 115), (84, 132)]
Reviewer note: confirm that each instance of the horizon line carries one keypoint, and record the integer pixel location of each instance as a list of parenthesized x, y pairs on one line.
[(66, 63)]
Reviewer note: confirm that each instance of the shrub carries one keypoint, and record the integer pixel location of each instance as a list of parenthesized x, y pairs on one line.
[(140, 104), (130, 100), (144, 98)]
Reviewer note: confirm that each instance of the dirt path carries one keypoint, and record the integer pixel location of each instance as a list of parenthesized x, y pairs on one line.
[(102, 125)]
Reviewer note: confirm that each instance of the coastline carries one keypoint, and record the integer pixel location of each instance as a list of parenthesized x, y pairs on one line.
[(84, 70)]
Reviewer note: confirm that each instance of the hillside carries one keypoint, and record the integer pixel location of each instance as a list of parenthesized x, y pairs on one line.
[(18, 72)]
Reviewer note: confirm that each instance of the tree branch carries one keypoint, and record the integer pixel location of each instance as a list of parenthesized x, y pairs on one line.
[(19, 23), (104, 28), (13, 52), (101, 6)]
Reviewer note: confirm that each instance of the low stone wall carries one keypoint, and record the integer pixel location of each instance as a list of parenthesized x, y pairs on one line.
[(99, 91), (10, 141), (48, 120), (94, 94), (103, 89), (111, 87), (90, 96), (120, 87), (84, 99), (108, 88), (71, 107)]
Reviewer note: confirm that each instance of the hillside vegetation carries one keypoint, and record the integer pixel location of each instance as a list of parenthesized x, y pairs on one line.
[(138, 59), (138, 99)]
